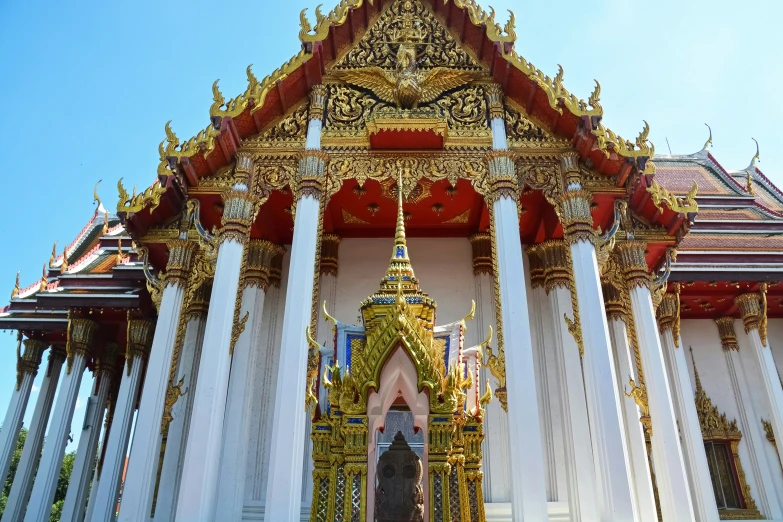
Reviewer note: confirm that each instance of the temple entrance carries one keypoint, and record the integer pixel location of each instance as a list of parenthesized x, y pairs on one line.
[(399, 419)]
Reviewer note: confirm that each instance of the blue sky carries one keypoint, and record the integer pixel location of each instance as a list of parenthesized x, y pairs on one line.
[(87, 88)]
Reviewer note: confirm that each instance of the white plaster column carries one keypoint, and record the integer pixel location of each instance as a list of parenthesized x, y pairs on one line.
[(263, 386), (82, 332), (673, 489), (110, 409), (84, 465), (767, 501), (137, 349), (26, 369), (494, 448), (575, 426), (610, 449), (236, 427), (144, 458), (290, 417), (198, 489), (625, 369), (702, 494), (177, 434), (753, 308), (528, 491), (31, 453)]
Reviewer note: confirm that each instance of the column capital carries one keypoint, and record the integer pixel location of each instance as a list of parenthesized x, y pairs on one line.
[(633, 262), (494, 93), (481, 244), (317, 102), (310, 180), (106, 363), (139, 340), (536, 264), (239, 212), (569, 168), (614, 303), (749, 306), (556, 261), (243, 167), (29, 361), (81, 333), (199, 303), (728, 336), (576, 217), (181, 255), (276, 271), (258, 263), (502, 181), (669, 316), (330, 260)]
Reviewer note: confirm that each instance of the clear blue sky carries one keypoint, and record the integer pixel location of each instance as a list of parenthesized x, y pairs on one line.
[(87, 88)]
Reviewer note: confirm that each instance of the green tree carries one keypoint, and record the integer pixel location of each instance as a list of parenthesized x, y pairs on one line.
[(62, 482)]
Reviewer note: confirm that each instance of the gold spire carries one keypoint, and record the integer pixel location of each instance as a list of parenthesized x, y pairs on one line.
[(54, 255), (44, 279), (15, 291), (699, 389), (400, 264), (64, 266)]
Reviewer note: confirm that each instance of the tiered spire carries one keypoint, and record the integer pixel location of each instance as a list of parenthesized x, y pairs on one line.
[(400, 264)]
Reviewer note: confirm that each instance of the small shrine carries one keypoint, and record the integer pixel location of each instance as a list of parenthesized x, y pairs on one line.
[(400, 359)]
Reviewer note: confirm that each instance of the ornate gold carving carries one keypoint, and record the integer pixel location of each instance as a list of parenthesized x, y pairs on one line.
[(204, 142), (276, 272), (461, 219), (310, 180), (181, 255), (130, 203), (243, 167), (292, 129), (259, 263), (669, 314), (716, 427), (522, 132), (639, 394), (139, 335), (573, 208), (613, 302), (750, 307), (106, 363), (420, 192), (415, 167), (80, 336), (15, 291), (684, 205), (330, 260), (496, 363), (29, 361), (352, 220), (481, 243), (501, 181), (728, 337), (630, 256), (763, 321), (409, 27), (317, 102), (768, 431)]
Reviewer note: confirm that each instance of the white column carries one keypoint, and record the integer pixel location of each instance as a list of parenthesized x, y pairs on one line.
[(528, 491), (580, 470), (143, 462), (45, 485), (290, 417), (141, 334), (673, 491), (264, 385), (702, 494), (767, 500), (31, 453), (83, 466), (610, 453), (177, 436), (110, 409), (625, 369), (495, 445), (754, 316), (198, 490), (26, 370), (236, 427)]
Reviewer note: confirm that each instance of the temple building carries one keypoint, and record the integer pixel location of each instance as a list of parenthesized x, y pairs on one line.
[(409, 276)]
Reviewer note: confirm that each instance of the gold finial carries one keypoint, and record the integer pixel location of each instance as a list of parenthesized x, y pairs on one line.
[(399, 234), (15, 291), (95, 197), (106, 222), (119, 251), (65, 265), (54, 255), (749, 187), (400, 262), (756, 158), (44, 279), (699, 389), (709, 140)]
